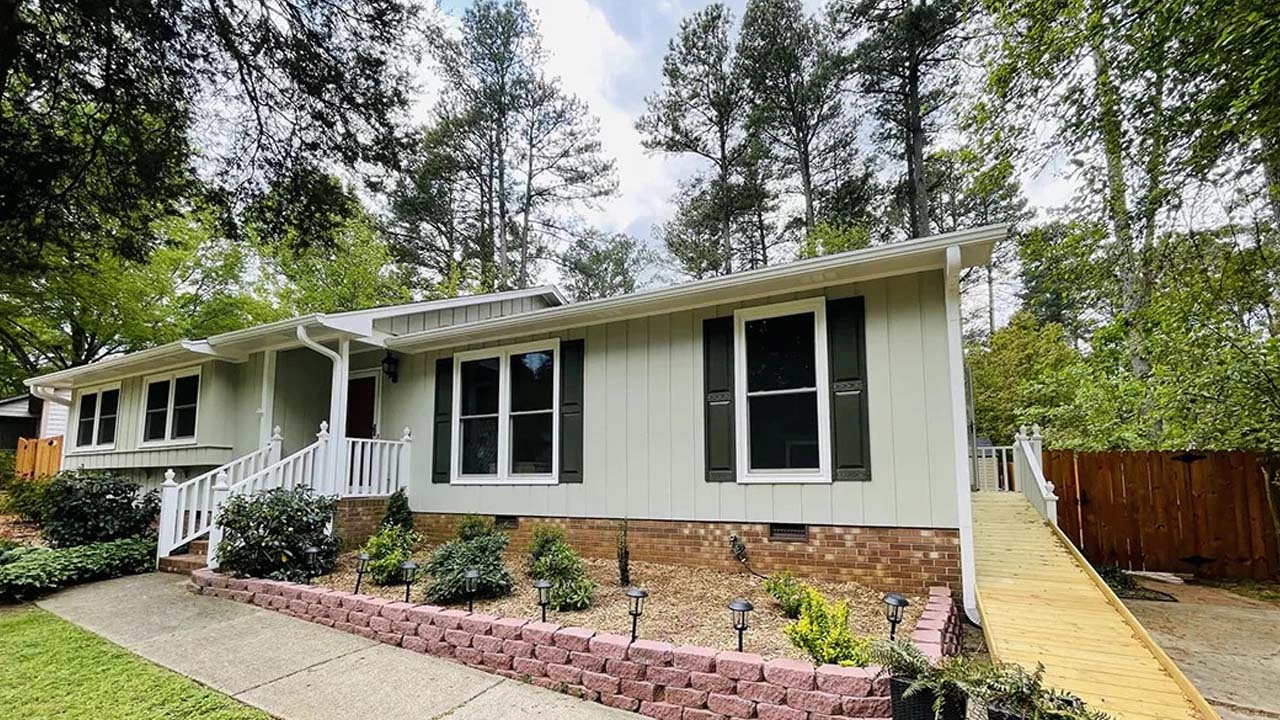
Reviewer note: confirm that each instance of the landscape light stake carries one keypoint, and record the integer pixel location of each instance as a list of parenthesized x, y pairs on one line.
[(408, 571), (362, 564), (894, 605), (544, 596), (470, 581), (311, 552), (739, 609), (637, 596)]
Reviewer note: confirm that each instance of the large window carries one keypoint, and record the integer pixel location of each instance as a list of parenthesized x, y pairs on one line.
[(506, 428), (781, 389), (96, 417), (171, 403)]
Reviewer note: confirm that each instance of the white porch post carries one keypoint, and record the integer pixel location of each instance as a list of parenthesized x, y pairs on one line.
[(955, 363), (267, 401), (221, 491), (338, 419), (168, 514)]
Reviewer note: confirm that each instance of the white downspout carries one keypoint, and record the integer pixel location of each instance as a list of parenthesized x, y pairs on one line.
[(955, 362), (45, 393), (337, 408)]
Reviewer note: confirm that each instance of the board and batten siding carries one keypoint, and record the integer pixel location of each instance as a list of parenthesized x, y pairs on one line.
[(643, 444), (432, 319)]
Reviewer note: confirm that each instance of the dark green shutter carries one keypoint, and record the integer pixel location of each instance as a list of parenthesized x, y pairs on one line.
[(717, 385), (441, 439), (571, 384), (850, 431)]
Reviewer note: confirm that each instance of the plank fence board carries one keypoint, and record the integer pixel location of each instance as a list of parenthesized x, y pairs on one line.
[(38, 457), (1154, 510)]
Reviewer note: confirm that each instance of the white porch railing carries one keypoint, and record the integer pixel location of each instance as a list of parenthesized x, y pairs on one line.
[(187, 508), (993, 467), (1029, 476), (377, 468)]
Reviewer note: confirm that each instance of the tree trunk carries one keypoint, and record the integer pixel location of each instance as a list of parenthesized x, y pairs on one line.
[(528, 202), (919, 190), (504, 259), (806, 185), (726, 213)]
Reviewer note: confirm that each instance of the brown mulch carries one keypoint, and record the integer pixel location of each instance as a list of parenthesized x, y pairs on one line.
[(686, 605), (14, 528)]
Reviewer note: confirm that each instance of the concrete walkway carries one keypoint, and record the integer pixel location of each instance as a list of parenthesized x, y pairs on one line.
[(298, 670)]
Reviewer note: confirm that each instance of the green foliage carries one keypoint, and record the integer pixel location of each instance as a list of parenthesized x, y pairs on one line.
[(42, 571), (1117, 579), (624, 556), (561, 565), (472, 527), (823, 632), (82, 507), (8, 458), (398, 513), (828, 239), (26, 498), (482, 552), (597, 265), (1012, 689), (901, 659), (788, 592), (545, 537), (265, 535), (391, 546)]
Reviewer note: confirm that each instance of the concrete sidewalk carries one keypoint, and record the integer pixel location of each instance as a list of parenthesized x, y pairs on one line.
[(298, 670)]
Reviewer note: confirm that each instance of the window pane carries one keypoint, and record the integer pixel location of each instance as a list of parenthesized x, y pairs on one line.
[(784, 431), (480, 446), (186, 390), (153, 427), (532, 380), (184, 422), (780, 353), (480, 386), (110, 402), (158, 395), (107, 430), (531, 443), (84, 429)]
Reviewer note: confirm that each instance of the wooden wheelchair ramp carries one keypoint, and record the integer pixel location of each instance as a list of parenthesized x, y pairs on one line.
[(1041, 602)]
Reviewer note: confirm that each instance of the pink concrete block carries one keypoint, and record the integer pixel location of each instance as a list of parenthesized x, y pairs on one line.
[(700, 714), (547, 683), (587, 661), (789, 673), (839, 680), (458, 638), (621, 702), (668, 676), (661, 710), (518, 648), (867, 707), (395, 611), (939, 591), (740, 666), (353, 601), (600, 682), (450, 619), (415, 644), (712, 682), (765, 711), (371, 605), (470, 656), (574, 638), (731, 705), (358, 618), (279, 602), (234, 583), (539, 633), (430, 633), (379, 624), (338, 615), (345, 627), (290, 591), (564, 673), (487, 643), (641, 690), (390, 638), (323, 621), (762, 692), (333, 598), (310, 595), (651, 652), (477, 623), (529, 666), (686, 697), (298, 606), (613, 647), (423, 613), (497, 661), (813, 701), (551, 654), (440, 649), (931, 623), (624, 669), (366, 633), (404, 627), (507, 628)]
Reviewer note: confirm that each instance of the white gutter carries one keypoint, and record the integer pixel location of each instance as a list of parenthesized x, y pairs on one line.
[(337, 407), (955, 363), (47, 393)]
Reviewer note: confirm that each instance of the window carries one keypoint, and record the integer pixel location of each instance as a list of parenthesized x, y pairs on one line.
[(781, 392), (96, 418), (505, 420), (169, 412)]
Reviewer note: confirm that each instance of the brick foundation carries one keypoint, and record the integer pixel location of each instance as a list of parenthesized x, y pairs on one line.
[(649, 677), (357, 519), (903, 559)]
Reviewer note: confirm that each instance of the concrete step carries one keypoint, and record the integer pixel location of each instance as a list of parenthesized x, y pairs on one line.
[(182, 564)]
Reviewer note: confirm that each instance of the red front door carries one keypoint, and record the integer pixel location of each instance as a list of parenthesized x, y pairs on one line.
[(362, 400)]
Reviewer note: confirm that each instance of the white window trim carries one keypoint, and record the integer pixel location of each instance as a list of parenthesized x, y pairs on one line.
[(822, 474), (74, 419), (504, 476), (168, 418), (376, 374)]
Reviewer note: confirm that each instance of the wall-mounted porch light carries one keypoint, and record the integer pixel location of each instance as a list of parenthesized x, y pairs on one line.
[(391, 367)]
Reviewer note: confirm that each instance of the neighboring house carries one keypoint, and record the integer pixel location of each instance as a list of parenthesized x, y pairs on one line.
[(813, 409), (19, 418)]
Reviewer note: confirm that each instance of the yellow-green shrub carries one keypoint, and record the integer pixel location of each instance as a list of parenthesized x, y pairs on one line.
[(823, 632)]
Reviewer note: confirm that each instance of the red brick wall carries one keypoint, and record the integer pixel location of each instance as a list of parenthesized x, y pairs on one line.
[(357, 519), (904, 559)]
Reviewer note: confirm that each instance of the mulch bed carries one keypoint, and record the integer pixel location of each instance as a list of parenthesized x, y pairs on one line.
[(14, 528), (686, 605)]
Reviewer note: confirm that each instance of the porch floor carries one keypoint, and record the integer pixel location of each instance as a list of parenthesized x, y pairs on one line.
[(1040, 604)]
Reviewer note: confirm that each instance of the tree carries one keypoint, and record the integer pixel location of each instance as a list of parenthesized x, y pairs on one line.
[(903, 65), (1063, 277), (1009, 374), (597, 265), (693, 237), (701, 110), (795, 74)]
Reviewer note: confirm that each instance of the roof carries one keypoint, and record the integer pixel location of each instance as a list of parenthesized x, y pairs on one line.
[(856, 265), (235, 346), (16, 406)]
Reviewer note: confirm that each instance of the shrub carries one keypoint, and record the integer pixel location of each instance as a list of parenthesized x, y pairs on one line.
[(398, 512), (388, 548), (624, 556), (449, 561), (83, 507), (571, 589), (265, 535), (26, 498), (39, 570), (787, 591), (476, 526), (545, 538), (823, 632), (8, 467)]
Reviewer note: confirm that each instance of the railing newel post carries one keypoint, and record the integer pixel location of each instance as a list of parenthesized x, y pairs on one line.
[(274, 445), (221, 491), (168, 514), (403, 468)]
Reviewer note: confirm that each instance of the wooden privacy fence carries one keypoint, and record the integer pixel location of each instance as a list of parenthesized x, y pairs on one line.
[(38, 457), (1205, 512)]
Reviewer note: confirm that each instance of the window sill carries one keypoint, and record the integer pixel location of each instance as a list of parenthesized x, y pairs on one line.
[(507, 482), (783, 480), (160, 444)]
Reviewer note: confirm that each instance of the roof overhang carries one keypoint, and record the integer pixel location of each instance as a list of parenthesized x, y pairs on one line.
[(858, 265)]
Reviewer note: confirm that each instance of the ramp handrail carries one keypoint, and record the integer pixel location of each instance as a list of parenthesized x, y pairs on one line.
[(1029, 475)]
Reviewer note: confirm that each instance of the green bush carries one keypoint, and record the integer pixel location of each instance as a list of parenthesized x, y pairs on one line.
[(391, 546), (26, 498), (476, 526), (83, 507), (8, 468), (449, 561), (787, 591), (823, 632), (265, 535), (571, 589), (545, 537), (398, 512), (39, 570)]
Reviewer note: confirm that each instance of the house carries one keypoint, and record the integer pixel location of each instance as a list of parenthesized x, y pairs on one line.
[(19, 418), (813, 410)]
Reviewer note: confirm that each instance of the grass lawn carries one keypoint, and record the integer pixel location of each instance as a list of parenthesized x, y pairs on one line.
[(50, 668)]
